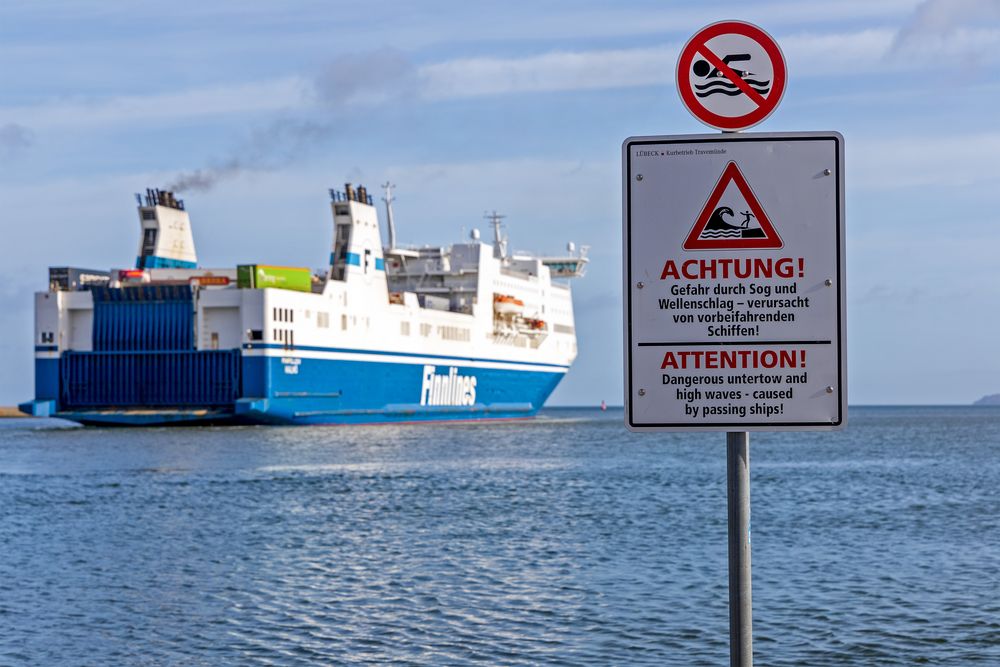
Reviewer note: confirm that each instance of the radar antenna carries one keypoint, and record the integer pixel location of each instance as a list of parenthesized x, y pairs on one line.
[(387, 186), (499, 239)]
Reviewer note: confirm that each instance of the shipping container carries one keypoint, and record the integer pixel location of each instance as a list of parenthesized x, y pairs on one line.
[(71, 278), (259, 276)]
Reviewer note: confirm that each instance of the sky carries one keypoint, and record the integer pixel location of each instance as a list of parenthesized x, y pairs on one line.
[(254, 109)]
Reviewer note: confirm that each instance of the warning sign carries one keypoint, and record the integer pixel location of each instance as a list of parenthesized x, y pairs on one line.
[(719, 226), (735, 295), (731, 75)]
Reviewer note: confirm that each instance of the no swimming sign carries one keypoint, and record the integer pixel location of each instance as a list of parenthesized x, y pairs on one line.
[(731, 75), (734, 274)]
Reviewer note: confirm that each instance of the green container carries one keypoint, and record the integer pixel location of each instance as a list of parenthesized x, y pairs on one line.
[(259, 276)]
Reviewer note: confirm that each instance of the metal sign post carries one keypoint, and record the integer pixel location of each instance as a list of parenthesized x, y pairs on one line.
[(740, 597), (729, 326), (734, 272)]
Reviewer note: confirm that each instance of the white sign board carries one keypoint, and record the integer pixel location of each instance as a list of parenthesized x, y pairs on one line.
[(734, 272)]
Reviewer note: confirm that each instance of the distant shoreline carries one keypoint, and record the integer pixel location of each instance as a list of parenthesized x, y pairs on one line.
[(10, 413)]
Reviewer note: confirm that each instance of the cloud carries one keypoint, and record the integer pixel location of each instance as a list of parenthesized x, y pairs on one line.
[(942, 18), (952, 30), (357, 81), (808, 55), (923, 161), (814, 55), (306, 110), (559, 71), (262, 96), (15, 138)]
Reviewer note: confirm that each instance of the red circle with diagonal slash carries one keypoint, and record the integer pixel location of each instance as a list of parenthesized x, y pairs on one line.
[(765, 105)]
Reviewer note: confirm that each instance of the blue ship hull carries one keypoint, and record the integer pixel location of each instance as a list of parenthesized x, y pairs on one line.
[(163, 388)]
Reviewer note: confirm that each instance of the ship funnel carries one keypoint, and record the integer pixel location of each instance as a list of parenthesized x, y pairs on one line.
[(166, 240)]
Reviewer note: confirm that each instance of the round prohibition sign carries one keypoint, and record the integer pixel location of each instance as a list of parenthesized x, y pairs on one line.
[(731, 75)]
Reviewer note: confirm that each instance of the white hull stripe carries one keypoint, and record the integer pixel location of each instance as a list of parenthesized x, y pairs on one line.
[(408, 359)]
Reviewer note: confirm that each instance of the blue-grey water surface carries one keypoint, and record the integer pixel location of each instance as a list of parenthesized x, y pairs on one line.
[(564, 541)]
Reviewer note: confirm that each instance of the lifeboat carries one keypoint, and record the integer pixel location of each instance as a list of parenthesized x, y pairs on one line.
[(504, 304)]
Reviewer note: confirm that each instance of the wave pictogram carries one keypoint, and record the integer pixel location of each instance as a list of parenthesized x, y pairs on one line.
[(721, 233), (727, 87)]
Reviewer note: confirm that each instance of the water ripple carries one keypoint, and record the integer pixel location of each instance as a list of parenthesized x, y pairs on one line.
[(563, 541)]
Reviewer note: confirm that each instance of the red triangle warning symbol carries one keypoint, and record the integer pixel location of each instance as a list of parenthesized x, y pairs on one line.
[(732, 218)]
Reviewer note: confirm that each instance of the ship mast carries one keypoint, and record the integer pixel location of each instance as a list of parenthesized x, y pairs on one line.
[(387, 186), (499, 240)]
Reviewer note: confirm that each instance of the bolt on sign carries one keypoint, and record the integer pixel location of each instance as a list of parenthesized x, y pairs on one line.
[(734, 266)]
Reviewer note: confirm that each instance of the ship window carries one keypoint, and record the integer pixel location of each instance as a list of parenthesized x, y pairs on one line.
[(215, 340), (454, 333), (149, 215), (425, 330), (343, 322), (322, 319), (256, 334), (342, 241), (148, 242), (404, 328)]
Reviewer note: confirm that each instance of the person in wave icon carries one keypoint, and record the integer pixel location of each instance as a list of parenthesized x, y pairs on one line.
[(719, 84), (718, 227)]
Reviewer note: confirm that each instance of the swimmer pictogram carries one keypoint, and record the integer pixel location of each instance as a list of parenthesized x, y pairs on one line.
[(718, 84)]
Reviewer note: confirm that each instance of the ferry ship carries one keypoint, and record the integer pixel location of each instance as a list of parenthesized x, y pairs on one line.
[(385, 333)]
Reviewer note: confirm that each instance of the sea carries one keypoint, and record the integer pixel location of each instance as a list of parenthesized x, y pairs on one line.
[(561, 540)]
